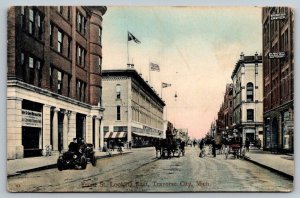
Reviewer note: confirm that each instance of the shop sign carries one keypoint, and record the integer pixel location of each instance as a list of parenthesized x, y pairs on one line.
[(276, 55), (31, 118), (278, 16)]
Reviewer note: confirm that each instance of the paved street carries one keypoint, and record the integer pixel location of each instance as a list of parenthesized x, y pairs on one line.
[(141, 171)]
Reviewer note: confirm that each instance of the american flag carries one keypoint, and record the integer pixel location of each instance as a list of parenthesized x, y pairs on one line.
[(154, 67), (164, 85)]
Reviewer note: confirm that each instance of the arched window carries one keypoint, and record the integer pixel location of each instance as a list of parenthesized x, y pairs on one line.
[(249, 92)]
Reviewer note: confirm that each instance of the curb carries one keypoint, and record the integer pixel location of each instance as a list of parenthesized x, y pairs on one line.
[(50, 166), (288, 176)]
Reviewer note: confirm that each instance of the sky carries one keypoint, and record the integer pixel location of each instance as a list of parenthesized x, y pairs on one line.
[(195, 47)]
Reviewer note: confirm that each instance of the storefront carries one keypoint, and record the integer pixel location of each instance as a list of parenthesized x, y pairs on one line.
[(112, 139), (36, 121), (145, 137), (32, 128)]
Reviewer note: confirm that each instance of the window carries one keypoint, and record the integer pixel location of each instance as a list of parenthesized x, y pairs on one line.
[(99, 34), (249, 92), (22, 59), (118, 91), (51, 76), (60, 42), (60, 9), (69, 48), (39, 72), (22, 16), (31, 22), (30, 62), (250, 117), (34, 70), (78, 22), (80, 91), (81, 23), (39, 25), (80, 56), (99, 64), (105, 128), (59, 82), (118, 112), (120, 128), (69, 14), (69, 85), (51, 35)]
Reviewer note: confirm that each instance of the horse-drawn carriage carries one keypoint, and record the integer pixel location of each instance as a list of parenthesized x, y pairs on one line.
[(167, 148), (233, 147)]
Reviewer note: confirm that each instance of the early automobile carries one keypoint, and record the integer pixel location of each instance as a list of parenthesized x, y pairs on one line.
[(77, 158)]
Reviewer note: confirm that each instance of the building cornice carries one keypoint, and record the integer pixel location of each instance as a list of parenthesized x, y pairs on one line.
[(32, 88)]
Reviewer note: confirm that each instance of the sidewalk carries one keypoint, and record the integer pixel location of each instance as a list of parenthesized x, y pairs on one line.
[(25, 165), (280, 163)]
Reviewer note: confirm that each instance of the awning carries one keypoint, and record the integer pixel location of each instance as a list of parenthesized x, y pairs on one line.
[(110, 135), (146, 135)]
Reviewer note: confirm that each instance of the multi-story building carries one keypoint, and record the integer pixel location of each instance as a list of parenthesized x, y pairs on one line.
[(248, 97), (133, 110), (54, 78), (278, 78), (225, 114)]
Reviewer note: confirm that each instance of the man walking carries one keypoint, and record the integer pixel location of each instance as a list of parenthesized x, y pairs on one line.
[(201, 145)]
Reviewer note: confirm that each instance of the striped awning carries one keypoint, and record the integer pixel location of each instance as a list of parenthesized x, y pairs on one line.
[(110, 135)]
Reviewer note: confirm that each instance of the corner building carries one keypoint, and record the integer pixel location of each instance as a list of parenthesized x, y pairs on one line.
[(133, 110), (278, 78), (248, 97), (54, 80)]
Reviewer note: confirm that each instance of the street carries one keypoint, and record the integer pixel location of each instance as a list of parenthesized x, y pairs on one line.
[(140, 171)]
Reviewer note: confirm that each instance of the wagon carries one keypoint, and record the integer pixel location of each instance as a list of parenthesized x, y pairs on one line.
[(233, 149)]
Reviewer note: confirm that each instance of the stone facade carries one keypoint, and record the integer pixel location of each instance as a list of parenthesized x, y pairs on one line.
[(248, 97), (54, 83), (131, 106)]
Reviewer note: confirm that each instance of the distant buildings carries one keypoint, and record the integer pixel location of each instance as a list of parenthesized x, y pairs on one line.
[(53, 78), (278, 78), (225, 114), (248, 97), (133, 110)]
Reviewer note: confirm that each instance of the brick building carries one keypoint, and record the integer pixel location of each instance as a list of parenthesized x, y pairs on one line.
[(54, 78), (248, 97), (278, 78), (225, 114), (133, 110)]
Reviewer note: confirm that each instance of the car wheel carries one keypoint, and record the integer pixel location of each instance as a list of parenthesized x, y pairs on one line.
[(60, 165), (94, 160), (83, 163)]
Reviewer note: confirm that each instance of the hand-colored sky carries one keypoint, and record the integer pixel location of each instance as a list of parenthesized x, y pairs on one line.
[(196, 48)]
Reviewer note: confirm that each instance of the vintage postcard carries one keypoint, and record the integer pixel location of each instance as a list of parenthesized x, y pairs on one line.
[(150, 99)]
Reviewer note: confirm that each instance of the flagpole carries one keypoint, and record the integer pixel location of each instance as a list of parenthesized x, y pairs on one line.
[(149, 72), (161, 90), (127, 51)]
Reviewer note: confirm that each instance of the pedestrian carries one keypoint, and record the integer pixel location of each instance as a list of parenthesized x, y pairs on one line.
[(247, 144), (201, 145), (129, 144), (258, 143), (214, 147), (182, 145), (113, 145)]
